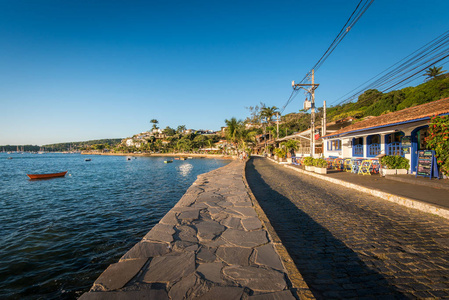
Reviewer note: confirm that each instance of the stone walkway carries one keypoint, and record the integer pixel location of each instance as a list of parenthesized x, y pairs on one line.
[(211, 245)]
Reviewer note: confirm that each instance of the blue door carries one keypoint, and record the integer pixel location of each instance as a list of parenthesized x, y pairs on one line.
[(417, 138)]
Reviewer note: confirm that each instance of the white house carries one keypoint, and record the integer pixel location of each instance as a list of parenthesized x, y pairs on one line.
[(397, 133)]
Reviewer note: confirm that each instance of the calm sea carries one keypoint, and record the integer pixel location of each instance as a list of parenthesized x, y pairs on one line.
[(58, 235)]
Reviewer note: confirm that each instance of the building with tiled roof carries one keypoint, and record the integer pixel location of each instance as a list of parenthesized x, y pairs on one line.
[(397, 133)]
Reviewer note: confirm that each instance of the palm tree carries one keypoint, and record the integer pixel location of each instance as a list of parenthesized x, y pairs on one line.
[(154, 122), (434, 72), (233, 126), (267, 113), (181, 128), (290, 145)]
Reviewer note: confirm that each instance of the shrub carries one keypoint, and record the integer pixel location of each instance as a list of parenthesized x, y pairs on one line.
[(320, 163), (280, 152), (395, 162), (308, 161), (438, 140)]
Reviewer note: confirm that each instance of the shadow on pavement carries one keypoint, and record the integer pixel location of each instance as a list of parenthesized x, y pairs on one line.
[(330, 268)]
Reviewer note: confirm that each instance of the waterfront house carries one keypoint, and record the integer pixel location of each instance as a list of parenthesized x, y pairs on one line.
[(303, 138), (397, 133)]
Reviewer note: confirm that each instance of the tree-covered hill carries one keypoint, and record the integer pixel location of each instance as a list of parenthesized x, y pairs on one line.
[(376, 103), (73, 146)]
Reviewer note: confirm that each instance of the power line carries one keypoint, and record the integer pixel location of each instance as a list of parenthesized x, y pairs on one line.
[(360, 9), (404, 70)]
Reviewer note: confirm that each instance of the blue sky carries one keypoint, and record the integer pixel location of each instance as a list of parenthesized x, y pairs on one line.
[(81, 70)]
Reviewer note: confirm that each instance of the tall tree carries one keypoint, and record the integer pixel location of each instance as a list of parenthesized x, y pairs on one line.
[(232, 129), (154, 122), (434, 72), (267, 113), (181, 128)]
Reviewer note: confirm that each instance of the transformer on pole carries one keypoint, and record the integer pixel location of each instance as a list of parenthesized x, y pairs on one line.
[(309, 104)]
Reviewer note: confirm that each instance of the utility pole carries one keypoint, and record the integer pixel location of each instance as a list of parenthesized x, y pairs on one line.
[(324, 119), (311, 91), (277, 121)]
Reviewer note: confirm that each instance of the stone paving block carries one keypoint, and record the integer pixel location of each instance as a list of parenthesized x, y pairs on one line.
[(245, 238), (169, 219), (132, 295), (215, 243), (243, 204), (283, 295), (234, 255), (199, 206), (246, 211), (257, 279), (170, 268), (189, 216), (211, 271), (209, 197), (161, 232), (219, 217), (225, 204), (238, 198), (206, 255), (145, 249), (186, 200), (180, 289), (184, 246), (192, 248), (188, 287), (251, 224), (223, 293), (266, 255), (212, 204), (187, 234), (208, 230), (232, 222), (118, 274)]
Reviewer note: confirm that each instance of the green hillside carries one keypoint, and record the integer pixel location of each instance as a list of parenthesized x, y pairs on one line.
[(375, 103), (92, 144)]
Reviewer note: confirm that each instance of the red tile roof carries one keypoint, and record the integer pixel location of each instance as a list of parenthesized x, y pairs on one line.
[(426, 110)]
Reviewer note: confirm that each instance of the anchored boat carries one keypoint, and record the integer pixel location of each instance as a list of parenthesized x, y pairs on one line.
[(46, 176)]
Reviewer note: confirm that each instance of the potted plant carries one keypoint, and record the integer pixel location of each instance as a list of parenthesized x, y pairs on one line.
[(308, 163), (280, 153), (394, 164), (320, 165), (289, 146)]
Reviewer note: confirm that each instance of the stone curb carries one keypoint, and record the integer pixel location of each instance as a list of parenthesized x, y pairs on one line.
[(302, 290), (404, 201)]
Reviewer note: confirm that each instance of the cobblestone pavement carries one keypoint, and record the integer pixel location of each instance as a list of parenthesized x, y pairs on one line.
[(211, 245), (347, 244)]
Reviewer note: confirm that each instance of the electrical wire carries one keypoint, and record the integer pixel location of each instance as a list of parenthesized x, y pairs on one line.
[(404, 71), (360, 9)]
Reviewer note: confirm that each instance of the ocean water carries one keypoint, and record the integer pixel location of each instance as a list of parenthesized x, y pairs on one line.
[(58, 235)]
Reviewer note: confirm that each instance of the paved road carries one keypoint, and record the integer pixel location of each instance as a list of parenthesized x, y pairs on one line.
[(348, 244)]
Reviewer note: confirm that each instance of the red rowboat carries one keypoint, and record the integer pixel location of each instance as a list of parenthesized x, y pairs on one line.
[(46, 176)]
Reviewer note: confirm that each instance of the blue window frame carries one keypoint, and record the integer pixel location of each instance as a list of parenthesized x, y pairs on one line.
[(393, 144), (373, 145), (334, 145), (357, 147)]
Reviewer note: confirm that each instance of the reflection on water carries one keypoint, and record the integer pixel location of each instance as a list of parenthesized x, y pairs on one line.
[(58, 235), (185, 169)]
